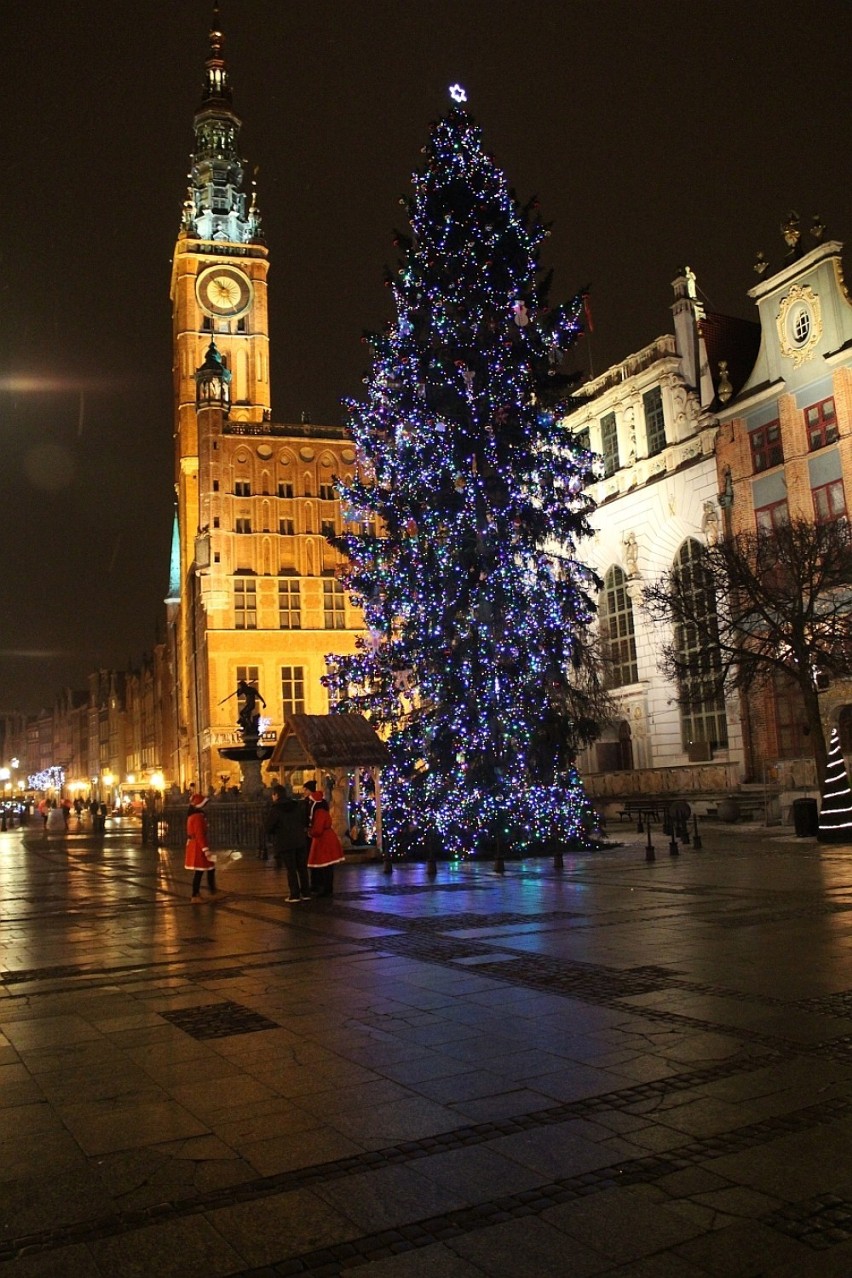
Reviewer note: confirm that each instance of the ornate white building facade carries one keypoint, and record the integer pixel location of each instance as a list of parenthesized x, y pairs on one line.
[(649, 418)]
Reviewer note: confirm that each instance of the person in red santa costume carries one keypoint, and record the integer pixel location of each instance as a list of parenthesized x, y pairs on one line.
[(326, 849), (198, 856)]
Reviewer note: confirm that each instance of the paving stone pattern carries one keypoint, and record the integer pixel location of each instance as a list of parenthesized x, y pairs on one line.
[(619, 1069)]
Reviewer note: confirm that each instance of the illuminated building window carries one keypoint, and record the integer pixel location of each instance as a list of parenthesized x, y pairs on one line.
[(327, 528), (293, 689), (702, 714), (245, 605), (326, 492), (766, 447), (289, 605), (829, 502), (286, 527), (285, 489), (821, 423), (609, 444), (334, 605), (772, 517), (243, 525), (242, 488), (655, 425), (617, 631)]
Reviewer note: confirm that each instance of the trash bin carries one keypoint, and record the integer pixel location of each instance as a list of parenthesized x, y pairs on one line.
[(805, 818)]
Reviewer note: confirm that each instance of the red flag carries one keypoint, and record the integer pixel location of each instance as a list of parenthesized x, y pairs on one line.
[(588, 313)]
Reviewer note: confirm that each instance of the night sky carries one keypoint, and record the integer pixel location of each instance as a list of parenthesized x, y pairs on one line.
[(654, 134)]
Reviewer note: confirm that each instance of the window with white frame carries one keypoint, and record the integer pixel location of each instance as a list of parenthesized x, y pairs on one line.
[(334, 605), (289, 604), (293, 689), (702, 712), (655, 425), (609, 444), (245, 603), (617, 630)]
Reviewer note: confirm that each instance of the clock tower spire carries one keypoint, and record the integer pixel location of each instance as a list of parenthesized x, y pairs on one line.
[(215, 207)]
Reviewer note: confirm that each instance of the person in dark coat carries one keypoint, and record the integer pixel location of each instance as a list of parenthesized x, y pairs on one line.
[(285, 826)]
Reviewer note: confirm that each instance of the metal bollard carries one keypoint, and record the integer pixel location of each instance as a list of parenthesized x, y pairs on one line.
[(650, 854), (696, 837)]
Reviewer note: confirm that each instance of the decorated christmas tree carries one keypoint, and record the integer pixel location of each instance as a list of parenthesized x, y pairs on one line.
[(835, 818), (465, 513)]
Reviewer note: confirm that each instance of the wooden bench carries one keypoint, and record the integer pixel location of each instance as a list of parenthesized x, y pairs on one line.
[(640, 808)]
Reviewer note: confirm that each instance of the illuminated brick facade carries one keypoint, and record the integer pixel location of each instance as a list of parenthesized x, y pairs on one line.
[(785, 451), (253, 593)]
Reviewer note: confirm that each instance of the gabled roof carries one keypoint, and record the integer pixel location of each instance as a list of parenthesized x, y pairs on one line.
[(328, 741), (736, 340)]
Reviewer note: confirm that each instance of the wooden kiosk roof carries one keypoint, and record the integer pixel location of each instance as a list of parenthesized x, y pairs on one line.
[(328, 741)]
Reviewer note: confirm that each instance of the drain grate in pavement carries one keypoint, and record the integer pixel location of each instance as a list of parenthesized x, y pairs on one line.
[(818, 1222), (415, 889), (218, 1020)]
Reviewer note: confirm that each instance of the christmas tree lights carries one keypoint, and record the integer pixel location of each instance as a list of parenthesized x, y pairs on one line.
[(835, 818), (465, 511)]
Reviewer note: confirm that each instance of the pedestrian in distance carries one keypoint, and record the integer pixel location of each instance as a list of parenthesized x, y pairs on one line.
[(326, 849), (198, 857), (285, 826)]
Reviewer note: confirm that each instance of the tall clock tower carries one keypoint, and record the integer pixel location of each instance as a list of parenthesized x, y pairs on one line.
[(218, 286), (253, 590)]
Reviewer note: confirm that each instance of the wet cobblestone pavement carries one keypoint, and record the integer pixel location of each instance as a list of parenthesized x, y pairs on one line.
[(621, 1068)]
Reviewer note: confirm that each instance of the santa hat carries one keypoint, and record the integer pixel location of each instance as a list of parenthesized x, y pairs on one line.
[(198, 800)]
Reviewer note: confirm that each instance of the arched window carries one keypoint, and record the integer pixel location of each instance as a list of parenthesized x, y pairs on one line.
[(617, 633), (702, 714)]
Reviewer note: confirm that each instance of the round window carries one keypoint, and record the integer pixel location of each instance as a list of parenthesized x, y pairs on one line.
[(800, 325)]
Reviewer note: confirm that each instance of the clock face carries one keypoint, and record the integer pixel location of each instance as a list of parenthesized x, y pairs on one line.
[(223, 290)]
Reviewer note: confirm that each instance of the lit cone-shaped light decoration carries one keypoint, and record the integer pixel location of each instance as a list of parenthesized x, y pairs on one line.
[(835, 819)]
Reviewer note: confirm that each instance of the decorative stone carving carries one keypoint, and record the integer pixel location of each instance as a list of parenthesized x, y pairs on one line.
[(799, 324), (631, 554), (710, 523)]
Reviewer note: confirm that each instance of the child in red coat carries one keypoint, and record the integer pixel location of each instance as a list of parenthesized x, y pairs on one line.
[(198, 856)]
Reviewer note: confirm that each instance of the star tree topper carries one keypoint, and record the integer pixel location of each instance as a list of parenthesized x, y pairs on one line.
[(457, 93)]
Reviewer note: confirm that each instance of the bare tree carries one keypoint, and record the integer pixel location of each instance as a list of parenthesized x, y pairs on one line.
[(757, 606)]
